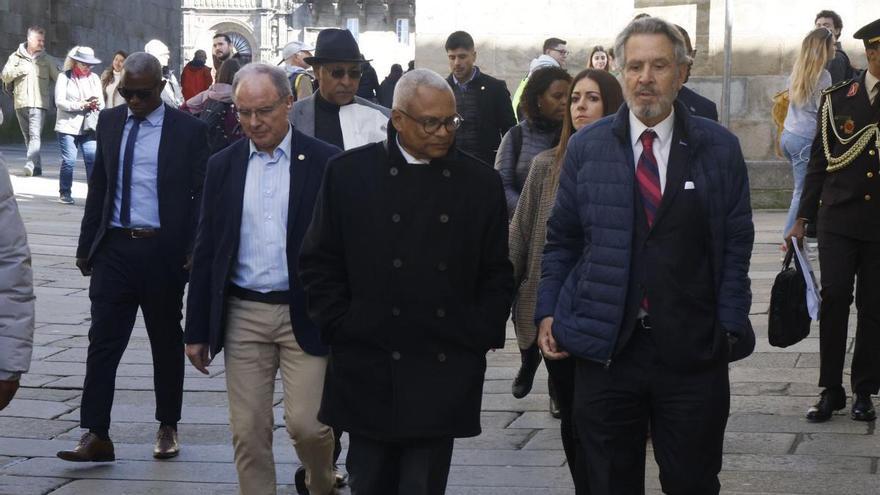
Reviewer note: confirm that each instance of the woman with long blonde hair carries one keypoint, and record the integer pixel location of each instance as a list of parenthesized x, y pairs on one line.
[(808, 79)]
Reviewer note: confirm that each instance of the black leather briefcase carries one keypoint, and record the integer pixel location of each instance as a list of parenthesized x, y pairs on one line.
[(789, 320)]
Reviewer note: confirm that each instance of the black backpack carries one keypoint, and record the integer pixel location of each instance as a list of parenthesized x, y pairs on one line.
[(217, 115), (789, 319)]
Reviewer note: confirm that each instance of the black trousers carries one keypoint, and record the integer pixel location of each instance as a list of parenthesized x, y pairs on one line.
[(687, 412), (127, 274), (562, 374), (416, 467), (842, 259)]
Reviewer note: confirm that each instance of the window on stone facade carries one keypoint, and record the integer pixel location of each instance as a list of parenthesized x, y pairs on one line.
[(403, 31), (353, 25)]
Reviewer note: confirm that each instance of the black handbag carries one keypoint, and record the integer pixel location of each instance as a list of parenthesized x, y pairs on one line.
[(789, 319)]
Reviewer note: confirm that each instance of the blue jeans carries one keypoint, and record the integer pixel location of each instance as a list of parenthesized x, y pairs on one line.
[(70, 144), (797, 150)]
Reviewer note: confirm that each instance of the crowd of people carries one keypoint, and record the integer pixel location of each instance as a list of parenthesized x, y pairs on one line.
[(359, 243)]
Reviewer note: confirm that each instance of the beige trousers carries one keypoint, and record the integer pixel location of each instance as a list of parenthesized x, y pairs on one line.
[(259, 342)]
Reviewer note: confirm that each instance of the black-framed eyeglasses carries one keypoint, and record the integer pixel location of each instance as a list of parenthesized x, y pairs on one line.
[(340, 72), (260, 113), (142, 94), (433, 124), (563, 51)]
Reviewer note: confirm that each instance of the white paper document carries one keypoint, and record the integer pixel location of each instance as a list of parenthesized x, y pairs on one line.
[(813, 297)]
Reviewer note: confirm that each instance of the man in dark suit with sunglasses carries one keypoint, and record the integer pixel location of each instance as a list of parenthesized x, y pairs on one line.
[(136, 242), (335, 114)]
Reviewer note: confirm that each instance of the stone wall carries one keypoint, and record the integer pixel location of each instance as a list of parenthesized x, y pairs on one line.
[(105, 25), (765, 35)]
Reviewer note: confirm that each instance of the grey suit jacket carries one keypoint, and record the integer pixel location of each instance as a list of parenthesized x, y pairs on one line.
[(302, 115)]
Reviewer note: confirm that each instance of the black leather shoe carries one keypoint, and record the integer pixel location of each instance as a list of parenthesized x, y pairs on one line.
[(299, 481), (89, 449), (525, 377), (832, 399), (863, 408)]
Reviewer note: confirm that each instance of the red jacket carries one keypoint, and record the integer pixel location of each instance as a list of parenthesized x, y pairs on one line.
[(194, 80)]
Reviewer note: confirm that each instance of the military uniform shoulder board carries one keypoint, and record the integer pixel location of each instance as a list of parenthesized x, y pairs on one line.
[(841, 84)]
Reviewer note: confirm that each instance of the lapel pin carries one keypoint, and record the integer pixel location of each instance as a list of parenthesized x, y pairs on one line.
[(301, 157), (482, 88)]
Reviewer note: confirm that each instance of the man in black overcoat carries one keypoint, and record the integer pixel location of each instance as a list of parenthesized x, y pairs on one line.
[(406, 272)]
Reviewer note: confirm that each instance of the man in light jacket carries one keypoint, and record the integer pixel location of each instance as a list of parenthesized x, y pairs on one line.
[(30, 70), (16, 293)]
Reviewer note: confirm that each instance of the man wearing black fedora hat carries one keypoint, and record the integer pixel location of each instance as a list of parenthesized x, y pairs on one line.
[(334, 113), (842, 197)]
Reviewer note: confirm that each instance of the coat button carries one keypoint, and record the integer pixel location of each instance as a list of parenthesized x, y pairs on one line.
[(395, 311), (867, 197), (441, 313), (397, 263), (395, 218), (441, 266), (870, 175), (393, 171), (395, 355), (444, 218), (447, 173), (872, 152), (441, 357)]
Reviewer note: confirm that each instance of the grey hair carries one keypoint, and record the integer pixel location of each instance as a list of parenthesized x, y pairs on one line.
[(276, 75), (143, 63), (409, 83), (651, 25)]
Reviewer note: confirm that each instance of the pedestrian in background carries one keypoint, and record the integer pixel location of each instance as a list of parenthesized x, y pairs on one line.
[(839, 65), (79, 97), (110, 80), (841, 192), (215, 107), (594, 94), (30, 70), (599, 59), (368, 87), (221, 50), (298, 71), (406, 270), (16, 293), (554, 55), (386, 89), (808, 79), (697, 104), (196, 76), (544, 102), (482, 100)]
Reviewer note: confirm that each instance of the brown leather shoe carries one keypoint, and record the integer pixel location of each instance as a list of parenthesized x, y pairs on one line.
[(89, 449), (166, 443)]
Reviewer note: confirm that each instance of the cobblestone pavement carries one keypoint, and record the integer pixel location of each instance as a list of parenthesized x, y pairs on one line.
[(769, 448)]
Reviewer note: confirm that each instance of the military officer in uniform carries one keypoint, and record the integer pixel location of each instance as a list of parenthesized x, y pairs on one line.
[(842, 196)]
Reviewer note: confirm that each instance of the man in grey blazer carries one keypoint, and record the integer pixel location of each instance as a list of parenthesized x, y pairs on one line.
[(334, 114)]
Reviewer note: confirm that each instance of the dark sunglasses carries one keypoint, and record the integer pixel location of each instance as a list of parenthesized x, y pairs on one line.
[(142, 94), (340, 72)]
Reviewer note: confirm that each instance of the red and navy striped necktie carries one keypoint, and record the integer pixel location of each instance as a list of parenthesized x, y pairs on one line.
[(648, 176)]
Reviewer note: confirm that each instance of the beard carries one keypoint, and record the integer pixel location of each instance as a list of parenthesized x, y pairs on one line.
[(652, 110)]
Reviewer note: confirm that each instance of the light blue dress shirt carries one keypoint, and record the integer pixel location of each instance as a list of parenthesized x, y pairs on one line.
[(262, 250), (144, 172)]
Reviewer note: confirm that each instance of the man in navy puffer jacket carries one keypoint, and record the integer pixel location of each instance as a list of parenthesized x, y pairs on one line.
[(645, 276)]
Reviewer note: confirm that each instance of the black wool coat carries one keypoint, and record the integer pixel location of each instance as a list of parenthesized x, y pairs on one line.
[(407, 276)]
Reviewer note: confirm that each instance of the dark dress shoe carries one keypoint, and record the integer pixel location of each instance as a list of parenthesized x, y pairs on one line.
[(89, 449), (832, 399), (863, 408), (525, 377), (166, 443)]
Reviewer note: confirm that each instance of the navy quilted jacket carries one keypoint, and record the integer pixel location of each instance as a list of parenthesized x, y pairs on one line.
[(587, 257)]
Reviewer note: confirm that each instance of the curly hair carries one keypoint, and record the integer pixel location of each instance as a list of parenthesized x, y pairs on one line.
[(537, 85)]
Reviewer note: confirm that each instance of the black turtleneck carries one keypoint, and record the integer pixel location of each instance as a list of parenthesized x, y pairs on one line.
[(327, 126)]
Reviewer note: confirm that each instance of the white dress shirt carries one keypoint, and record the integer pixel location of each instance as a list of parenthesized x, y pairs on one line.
[(662, 142), (409, 158), (871, 83), (262, 250)]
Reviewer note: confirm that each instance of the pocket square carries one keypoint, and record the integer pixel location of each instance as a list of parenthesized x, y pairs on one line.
[(688, 185)]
